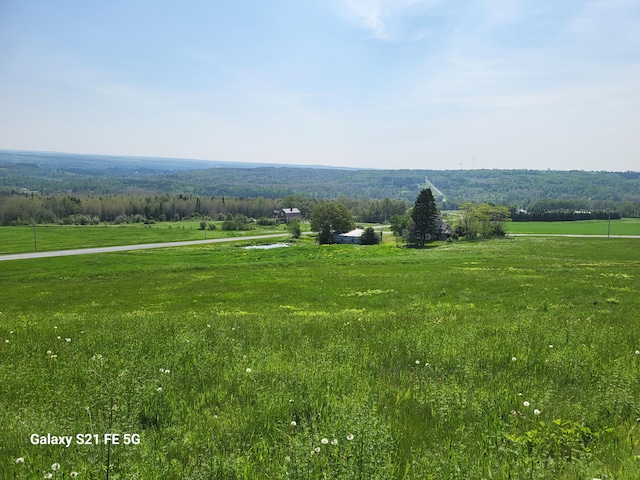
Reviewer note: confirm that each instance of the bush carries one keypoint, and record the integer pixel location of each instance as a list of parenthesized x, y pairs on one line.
[(369, 237)]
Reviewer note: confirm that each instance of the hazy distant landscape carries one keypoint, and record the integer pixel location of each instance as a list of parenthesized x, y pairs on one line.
[(529, 189)]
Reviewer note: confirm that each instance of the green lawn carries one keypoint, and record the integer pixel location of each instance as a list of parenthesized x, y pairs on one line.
[(514, 358), (625, 226)]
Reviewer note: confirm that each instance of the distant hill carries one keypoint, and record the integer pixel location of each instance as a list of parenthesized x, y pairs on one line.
[(97, 174)]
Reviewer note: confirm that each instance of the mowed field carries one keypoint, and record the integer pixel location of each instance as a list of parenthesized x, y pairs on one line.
[(624, 226), (66, 237), (511, 358)]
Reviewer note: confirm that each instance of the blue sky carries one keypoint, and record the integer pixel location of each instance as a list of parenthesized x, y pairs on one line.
[(436, 84)]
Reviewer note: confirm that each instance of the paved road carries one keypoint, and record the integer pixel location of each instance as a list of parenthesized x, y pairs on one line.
[(122, 248)]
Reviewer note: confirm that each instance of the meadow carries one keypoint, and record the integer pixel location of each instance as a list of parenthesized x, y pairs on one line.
[(624, 226), (66, 237), (511, 358)]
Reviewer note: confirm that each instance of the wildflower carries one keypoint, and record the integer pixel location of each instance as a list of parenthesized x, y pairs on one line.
[(536, 412), (513, 359), (248, 370), (637, 352), (350, 437), (159, 389), (334, 441), (525, 403), (20, 460), (324, 441), (417, 362), (55, 467), (293, 423), (317, 449)]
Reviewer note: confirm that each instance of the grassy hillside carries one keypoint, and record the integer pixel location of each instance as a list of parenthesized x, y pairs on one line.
[(517, 358)]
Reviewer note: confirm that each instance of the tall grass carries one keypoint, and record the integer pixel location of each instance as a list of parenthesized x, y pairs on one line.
[(327, 362)]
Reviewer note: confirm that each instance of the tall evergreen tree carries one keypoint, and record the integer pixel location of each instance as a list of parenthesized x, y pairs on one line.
[(424, 216)]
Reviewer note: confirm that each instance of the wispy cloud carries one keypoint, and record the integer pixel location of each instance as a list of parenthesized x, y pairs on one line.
[(386, 19)]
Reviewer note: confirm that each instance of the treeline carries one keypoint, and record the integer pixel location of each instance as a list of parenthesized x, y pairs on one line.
[(19, 208), (563, 215)]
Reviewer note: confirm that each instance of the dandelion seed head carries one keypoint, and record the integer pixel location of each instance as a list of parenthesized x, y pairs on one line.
[(248, 370), (637, 352), (324, 441), (59, 337), (55, 467), (74, 474), (417, 362), (293, 423), (54, 356), (536, 412), (317, 449), (6, 341), (525, 403), (67, 339), (48, 475), (20, 460), (167, 371), (334, 441), (350, 437), (513, 412), (513, 359), (550, 346), (159, 389), (162, 370)]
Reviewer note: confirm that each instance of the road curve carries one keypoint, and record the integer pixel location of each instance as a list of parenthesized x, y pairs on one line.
[(123, 248)]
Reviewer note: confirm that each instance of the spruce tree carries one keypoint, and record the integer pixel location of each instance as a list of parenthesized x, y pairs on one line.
[(424, 216)]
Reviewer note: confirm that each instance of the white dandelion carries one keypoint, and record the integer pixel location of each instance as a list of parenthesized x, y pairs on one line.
[(55, 467), (550, 346), (6, 341), (162, 370), (67, 339), (317, 449), (74, 474), (417, 362), (525, 403), (324, 441), (48, 475), (350, 437), (513, 359), (248, 370), (20, 460), (159, 389), (334, 441), (536, 412), (637, 352), (293, 423)]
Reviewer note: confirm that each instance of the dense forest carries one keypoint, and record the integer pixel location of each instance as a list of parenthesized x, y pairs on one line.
[(55, 186)]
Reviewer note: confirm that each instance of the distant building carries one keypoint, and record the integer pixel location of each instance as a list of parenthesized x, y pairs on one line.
[(287, 214), (444, 229), (354, 236)]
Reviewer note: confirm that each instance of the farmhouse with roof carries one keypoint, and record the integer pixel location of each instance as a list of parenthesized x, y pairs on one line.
[(287, 214)]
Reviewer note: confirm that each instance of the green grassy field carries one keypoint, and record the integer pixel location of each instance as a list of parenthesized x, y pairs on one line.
[(59, 237), (625, 226), (514, 358)]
